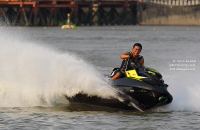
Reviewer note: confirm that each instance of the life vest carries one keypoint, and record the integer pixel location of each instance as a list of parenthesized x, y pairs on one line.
[(126, 63)]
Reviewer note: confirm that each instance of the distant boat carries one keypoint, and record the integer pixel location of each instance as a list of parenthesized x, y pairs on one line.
[(69, 24), (68, 27)]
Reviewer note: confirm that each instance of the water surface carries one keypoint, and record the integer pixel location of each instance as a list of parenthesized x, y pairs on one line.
[(39, 66)]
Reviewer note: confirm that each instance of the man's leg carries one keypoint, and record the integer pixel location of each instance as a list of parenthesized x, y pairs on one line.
[(118, 75)]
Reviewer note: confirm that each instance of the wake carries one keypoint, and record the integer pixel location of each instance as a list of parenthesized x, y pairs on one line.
[(33, 75)]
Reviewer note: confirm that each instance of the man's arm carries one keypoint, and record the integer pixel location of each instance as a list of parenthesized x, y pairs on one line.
[(142, 61), (125, 55)]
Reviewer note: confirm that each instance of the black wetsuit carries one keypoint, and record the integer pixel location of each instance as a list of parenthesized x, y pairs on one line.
[(126, 65)]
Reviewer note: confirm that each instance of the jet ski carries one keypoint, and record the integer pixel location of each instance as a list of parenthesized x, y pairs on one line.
[(141, 89)]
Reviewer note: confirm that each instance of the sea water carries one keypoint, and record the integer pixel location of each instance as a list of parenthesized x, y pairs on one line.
[(40, 66)]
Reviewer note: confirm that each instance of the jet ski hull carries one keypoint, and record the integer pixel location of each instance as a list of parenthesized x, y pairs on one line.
[(132, 95), (98, 101)]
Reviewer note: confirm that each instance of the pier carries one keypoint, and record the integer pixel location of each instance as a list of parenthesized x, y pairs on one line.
[(169, 12), (54, 12)]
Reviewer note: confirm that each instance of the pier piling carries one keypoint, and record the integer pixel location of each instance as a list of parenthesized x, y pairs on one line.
[(53, 12)]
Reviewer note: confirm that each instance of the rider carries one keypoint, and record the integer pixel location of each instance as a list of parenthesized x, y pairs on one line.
[(134, 55)]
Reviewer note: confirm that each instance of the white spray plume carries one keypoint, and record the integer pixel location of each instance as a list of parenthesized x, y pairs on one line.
[(32, 75)]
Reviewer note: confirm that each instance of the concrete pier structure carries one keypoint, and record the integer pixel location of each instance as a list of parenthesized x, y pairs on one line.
[(99, 12), (183, 13)]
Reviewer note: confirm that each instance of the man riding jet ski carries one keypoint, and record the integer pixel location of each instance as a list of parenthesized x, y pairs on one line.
[(134, 55), (144, 85), (137, 87)]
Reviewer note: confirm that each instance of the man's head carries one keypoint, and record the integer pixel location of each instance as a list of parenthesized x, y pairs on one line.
[(137, 48)]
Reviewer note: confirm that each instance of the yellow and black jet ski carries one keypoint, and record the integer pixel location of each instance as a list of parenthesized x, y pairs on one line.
[(142, 88)]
